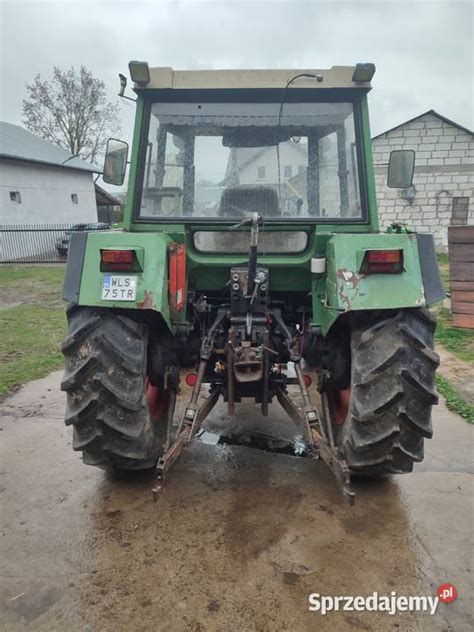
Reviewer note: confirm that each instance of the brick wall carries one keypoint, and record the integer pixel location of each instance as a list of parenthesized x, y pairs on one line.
[(444, 171)]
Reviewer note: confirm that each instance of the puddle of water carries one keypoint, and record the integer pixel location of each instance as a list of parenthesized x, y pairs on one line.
[(210, 438), (259, 442)]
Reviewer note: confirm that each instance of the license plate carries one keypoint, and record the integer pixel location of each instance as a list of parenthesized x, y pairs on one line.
[(117, 287)]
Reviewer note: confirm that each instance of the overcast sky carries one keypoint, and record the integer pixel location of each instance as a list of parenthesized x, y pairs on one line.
[(423, 50)]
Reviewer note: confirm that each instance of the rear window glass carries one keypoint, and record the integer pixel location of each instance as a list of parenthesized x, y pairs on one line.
[(238, 242)]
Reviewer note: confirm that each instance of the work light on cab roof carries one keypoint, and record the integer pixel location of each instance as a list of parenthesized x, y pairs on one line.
[(139, 72)]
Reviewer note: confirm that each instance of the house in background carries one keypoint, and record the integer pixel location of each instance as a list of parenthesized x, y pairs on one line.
[(443, 182), (41, 183)]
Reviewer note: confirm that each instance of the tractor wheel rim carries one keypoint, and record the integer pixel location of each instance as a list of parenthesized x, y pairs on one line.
[(339, 405), (157, 400)]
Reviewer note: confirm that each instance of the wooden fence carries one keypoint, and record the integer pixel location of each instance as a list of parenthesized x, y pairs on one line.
[(461, 268)]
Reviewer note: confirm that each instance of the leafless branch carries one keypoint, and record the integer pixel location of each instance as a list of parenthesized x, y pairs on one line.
[(72, 111)]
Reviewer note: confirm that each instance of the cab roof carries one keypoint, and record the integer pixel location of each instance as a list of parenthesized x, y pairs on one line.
[(165, 78)]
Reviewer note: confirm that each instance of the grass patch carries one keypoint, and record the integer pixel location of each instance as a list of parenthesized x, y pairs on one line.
[(443, 258), (29, 345), (51, 276), (31, 285), (32, 324), (458, 341), (453, 400), (443, 265)]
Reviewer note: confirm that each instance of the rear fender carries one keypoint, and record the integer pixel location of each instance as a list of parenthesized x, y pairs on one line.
[(84, 279), (344, 289)]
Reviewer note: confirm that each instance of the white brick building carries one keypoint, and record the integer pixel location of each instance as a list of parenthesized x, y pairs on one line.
[(443, 183)]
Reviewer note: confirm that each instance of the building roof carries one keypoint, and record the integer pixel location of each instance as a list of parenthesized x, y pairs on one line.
[(17, 143), (415, 118), (104, 198)]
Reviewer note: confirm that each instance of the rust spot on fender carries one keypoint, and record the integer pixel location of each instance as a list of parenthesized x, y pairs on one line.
[(343, 298), (349, 288), (147, 302), (349, 277)]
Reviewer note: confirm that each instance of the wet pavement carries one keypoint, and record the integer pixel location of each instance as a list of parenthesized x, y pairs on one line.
[(238, 540)]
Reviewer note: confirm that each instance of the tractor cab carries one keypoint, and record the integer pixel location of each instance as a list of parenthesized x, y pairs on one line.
[(217, 146)]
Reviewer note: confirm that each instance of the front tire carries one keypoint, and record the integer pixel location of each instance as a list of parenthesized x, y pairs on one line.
[(106, 384), (392, 391)]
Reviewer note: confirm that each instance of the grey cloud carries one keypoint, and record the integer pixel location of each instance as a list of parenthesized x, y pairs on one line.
[(423, 50)]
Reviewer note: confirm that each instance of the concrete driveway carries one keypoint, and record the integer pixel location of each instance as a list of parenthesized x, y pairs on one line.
[(237, 542)]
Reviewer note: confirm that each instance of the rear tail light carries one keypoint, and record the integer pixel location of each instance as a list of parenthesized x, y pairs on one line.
[(382, 262), (120, 260)]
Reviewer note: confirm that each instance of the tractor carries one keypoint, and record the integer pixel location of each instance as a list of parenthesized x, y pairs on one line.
[(251, 249)]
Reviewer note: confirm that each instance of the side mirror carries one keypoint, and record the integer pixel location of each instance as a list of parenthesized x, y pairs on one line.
[(115, 163), (400, 169)]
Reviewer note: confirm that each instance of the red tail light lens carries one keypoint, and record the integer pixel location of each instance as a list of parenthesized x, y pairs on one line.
[(382, 262), (384, 256), (111, 260)]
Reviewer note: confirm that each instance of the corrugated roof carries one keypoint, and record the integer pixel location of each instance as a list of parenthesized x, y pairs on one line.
[(17, 143), (415, 118)]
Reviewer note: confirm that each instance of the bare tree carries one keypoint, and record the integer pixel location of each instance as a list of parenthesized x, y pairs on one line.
[(71, 111)]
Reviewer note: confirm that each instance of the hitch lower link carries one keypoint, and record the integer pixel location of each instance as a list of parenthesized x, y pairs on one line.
[(317, 429), (192, 417), (318, 432)]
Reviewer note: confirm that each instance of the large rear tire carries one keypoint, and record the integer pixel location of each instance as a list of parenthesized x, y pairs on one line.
[(387, 412), (106, 384)]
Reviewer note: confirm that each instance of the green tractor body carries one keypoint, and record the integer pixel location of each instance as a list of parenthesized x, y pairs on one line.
[(251, 239)]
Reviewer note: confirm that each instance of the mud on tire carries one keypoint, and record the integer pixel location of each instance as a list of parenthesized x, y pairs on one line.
[(105, 370), (392, 392)]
